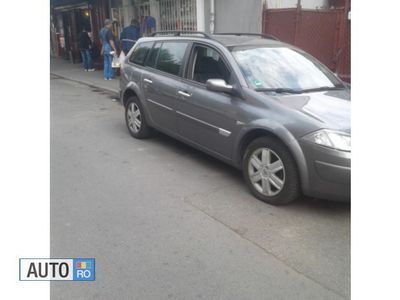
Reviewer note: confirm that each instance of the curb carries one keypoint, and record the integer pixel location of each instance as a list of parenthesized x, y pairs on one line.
[(90, 84)]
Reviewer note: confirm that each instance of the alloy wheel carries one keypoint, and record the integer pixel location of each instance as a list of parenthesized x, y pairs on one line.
[(266, 172), (134, 117)]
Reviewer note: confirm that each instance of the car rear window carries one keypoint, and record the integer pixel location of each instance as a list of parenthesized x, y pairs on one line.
[(171, 56), (139, 54)]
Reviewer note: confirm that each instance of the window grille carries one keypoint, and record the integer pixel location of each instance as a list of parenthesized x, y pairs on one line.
[(178, 15)]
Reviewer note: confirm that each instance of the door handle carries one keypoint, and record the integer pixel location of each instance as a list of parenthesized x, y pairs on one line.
[(148, 80), (184, 94)]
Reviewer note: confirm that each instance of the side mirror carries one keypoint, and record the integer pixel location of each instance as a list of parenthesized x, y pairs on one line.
[(219, 85)]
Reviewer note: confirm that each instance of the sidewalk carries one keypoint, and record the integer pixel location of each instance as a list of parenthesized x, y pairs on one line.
[(75, 72)]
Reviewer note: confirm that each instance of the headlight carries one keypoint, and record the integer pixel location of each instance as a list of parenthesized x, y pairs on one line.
[(331, 139)]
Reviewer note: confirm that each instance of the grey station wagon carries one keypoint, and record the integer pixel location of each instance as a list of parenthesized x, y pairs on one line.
[(260, 105)]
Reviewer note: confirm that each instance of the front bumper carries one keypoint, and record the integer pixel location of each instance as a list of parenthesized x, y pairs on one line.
[(329, 172)]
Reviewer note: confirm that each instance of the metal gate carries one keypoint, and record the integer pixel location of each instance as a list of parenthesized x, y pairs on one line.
[(144, 9), (178, 15), (323, 33)]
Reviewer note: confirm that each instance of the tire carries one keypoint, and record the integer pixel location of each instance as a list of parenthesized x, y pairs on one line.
[(138, 127), (270, 171)]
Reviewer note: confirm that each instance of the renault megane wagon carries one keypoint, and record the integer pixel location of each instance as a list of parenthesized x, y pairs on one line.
[(258, 104)]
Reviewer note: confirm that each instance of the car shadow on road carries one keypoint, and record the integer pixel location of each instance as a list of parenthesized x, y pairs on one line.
[(302, 204)]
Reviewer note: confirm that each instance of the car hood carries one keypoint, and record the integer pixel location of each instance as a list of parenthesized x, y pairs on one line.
[(330, 108)]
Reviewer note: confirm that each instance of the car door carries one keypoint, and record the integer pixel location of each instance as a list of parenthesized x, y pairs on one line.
[(132, 70), (207, 118), (160, 81)]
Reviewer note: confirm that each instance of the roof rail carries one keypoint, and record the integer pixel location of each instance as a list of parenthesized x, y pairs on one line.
[(263, 35), (180, 32)]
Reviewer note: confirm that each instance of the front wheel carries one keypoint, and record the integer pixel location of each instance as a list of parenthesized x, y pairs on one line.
[(270, 171), (136, 120)]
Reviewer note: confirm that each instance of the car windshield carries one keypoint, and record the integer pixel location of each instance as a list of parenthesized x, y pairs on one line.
[(282, 69)]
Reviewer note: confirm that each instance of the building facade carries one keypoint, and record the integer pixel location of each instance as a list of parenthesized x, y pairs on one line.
[(201, 15), (283, 18), (68, 17)]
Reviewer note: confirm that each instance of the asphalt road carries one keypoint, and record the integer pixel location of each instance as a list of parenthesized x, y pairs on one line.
[(165, 221)]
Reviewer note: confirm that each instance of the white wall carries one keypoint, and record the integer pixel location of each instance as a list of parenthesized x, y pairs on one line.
[(310, 4), (201, 25), (236, 15)]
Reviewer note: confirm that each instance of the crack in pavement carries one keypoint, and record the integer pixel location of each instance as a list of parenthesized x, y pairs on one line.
[(238, 232)]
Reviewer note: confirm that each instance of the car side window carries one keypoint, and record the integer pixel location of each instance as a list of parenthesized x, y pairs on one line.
[(171, 56), (208, 64), (139, 54), (151, 61)]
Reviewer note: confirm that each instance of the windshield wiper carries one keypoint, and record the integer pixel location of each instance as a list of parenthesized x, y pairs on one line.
[(324, 88), (279, 90), (293, 91)]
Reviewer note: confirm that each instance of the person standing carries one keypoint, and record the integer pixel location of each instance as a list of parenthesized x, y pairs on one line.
[(148, 25), (85, 44), (129, 36), (108, 48)]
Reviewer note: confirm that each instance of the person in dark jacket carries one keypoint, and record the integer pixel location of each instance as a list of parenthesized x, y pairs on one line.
[(85, 44), (129, 36)]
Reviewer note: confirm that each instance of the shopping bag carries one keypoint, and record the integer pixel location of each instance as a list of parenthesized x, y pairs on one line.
[(122, 58), (115, 62)]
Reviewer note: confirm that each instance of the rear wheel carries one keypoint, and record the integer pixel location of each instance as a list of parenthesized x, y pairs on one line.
[(135, 119), (270, 171)]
